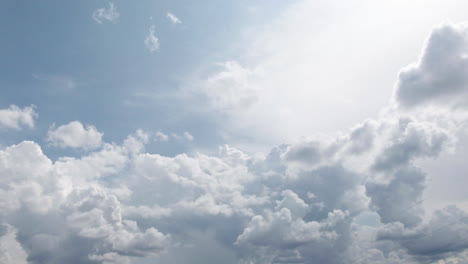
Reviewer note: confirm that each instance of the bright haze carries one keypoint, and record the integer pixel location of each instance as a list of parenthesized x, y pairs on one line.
[(234, 132)]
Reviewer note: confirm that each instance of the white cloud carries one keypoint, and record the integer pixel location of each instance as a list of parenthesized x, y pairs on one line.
[(297, 63), (106, 14), (161, 136), (74, 135), (173, 18), (119, 203), (298, 203), (16, 118), (188, 136), (440, 75), (151, 41)]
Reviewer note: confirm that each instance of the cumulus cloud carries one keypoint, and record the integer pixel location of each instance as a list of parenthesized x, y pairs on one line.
[(120, 203), (298, 203), (109, 14), (440, 75), (151, 41), (173, 18), (14, 117), (74, 135)]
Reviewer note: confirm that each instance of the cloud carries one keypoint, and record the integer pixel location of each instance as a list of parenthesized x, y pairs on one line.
[(161, 136), (16, 118), (173, 18), (188, 136), (440, 75), (119, 203), (230, 88), (297, 203), (109, 14), (74, 135), (76, 220), (11, 251), (151, 41)]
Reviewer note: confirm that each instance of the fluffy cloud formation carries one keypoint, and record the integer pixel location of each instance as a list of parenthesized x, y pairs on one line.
[(440, 77), (74, 135), (109, 14), (298, 203), (151, 41), (14, 117)]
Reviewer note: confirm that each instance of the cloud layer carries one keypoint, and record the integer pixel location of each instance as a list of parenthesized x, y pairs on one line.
[(298, 203)]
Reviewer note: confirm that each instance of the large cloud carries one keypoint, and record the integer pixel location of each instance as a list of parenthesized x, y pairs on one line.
[(440, 76), (300, 203)]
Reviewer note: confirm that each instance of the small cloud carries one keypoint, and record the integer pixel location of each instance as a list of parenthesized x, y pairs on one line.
[(173, 18), (151, 41), (160, 136), (74, 135), (15, 118), (188, 136), (110, 14)]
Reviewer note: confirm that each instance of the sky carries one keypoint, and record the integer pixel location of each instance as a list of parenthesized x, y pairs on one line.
[(248, 132)]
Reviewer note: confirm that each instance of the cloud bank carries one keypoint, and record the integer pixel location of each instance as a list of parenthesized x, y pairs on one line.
[(298, 203)]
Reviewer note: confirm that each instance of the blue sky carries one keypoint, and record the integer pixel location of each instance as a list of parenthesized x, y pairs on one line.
[(55, 56), (250, 131)]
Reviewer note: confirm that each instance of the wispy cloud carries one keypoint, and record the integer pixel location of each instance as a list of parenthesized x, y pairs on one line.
[(151, 41), (106, 14), (56, 81), (173, 18)]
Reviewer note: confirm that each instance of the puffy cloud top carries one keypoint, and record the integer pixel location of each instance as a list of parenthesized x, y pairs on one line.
[(74, 135), (14, 117), (440, 76)]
